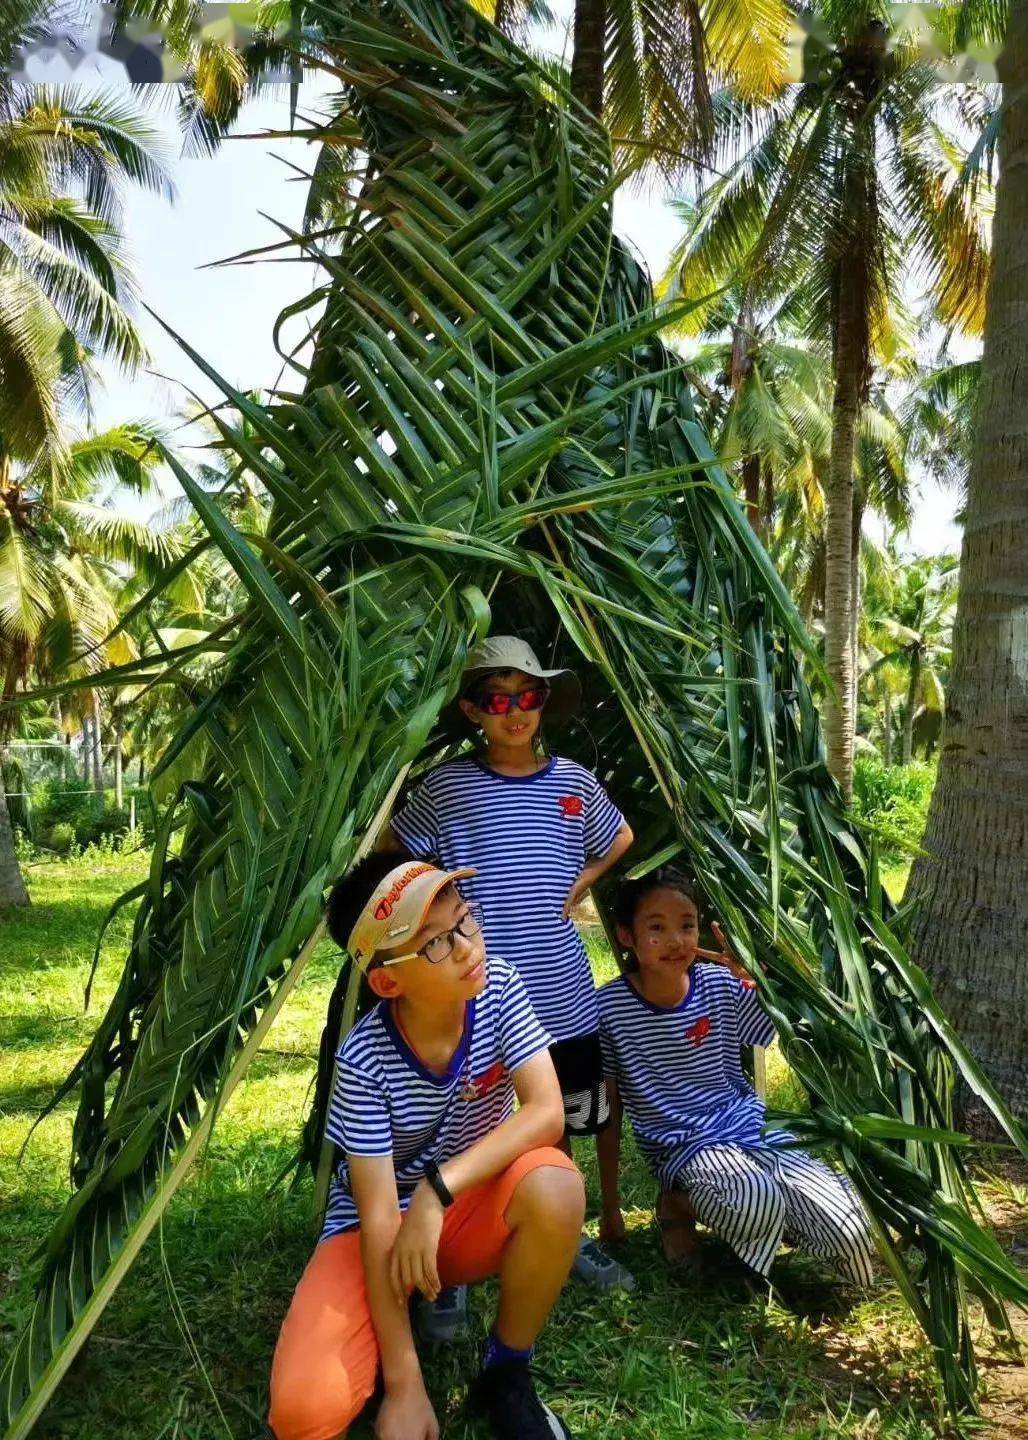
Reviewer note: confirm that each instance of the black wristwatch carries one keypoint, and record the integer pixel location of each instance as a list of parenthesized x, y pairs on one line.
[(438, 1184)]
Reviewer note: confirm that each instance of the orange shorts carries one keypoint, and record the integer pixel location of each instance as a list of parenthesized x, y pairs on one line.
[(326, 1359)]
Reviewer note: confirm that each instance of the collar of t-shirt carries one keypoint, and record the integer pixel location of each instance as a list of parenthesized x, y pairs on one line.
[(410, 1056), (515, 779)]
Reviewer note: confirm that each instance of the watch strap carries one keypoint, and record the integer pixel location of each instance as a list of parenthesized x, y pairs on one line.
[(438, 1184)]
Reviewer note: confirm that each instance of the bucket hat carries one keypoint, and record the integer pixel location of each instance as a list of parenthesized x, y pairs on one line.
[(507, 652)]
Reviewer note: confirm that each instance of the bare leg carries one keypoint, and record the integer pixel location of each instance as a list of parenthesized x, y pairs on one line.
[(545, 1217), (677, 1226)]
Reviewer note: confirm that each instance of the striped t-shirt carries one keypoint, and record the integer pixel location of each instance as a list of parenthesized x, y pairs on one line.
[(679, 1069), (386, 1102), (529, 836)]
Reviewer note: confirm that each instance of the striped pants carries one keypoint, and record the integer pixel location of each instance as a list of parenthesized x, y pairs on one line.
[(755, 1198)]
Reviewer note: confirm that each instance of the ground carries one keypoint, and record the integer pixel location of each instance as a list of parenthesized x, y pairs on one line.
[(182, 1353)]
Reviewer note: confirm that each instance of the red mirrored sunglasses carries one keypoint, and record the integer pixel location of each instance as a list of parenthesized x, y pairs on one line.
[(498, 703)]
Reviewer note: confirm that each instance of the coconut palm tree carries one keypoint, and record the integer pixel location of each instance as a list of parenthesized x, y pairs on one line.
[(64, 284), (970, 923), (846, 183), (773, 390), (940, 415), (647, 68), (914, 638), (59, 541)]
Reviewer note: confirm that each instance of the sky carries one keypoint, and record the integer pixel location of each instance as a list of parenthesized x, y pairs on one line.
[(227, 204)]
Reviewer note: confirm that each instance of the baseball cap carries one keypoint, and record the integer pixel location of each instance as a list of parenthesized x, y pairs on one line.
[(397, 907)]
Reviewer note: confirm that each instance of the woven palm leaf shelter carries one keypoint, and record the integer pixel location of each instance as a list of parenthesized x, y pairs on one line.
[(490, 433)]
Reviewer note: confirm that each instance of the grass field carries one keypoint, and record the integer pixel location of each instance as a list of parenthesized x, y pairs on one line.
[(183, 1351)]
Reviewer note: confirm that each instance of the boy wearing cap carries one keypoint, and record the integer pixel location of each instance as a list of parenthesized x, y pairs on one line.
[(441, 1181), (540, 830)]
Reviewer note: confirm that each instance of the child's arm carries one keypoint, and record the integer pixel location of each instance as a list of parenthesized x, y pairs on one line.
[(755, 1025), (406, 1412), (597, 867), (414, 827), (538, 1121), (608, 1151)]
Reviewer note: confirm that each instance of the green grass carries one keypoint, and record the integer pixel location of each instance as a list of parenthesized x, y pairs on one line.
[(183, 1351)]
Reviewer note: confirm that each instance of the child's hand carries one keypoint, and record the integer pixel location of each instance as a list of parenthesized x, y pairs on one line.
[(612, 1227), (413, 1261), (576, 894), (724, 956), (406, 1414)]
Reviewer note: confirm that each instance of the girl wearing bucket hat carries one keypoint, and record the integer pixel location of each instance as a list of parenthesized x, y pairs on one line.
[(539, 831)]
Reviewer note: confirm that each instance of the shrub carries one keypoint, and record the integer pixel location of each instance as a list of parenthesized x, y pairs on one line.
[(894, 799), (61, 837), (92, 815)]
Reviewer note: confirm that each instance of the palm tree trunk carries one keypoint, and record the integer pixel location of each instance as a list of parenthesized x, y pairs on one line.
[(588, 58), (970, 924), (858, 525), (87, 750), (751, 490), (913, 690), (839, 707), (768, 501), (119, 789), (887, 727), (12, 886), (98, 759)]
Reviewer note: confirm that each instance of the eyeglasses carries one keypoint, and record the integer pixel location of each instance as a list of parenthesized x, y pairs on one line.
[(500, 703), (440, 947)]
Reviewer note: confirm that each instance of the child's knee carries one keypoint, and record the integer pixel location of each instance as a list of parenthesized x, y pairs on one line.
[(761, 1201), (306, 1414), (551, 1196), (304, 1410)]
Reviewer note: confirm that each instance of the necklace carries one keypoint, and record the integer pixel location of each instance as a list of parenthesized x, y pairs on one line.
[(466, 1089)]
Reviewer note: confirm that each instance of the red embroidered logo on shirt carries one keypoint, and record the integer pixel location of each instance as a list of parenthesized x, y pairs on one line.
[(570, 805), (488, 1080), (698, 1033)]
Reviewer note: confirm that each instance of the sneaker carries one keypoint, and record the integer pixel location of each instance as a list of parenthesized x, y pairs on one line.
[(506, 1396), (440, 1323), (597, 1268)]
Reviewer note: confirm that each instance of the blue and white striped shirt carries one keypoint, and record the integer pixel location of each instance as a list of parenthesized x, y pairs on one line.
[(529, 836), (679, 1070), (386, 1102)]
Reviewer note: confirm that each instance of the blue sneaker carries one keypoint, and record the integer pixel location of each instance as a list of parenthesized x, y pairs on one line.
[(440, 1323), (597, 1268)]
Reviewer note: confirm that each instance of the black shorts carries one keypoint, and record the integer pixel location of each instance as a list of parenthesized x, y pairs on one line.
[(579, 1066)]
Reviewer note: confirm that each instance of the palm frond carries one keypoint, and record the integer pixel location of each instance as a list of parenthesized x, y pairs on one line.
[(24, 594)]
